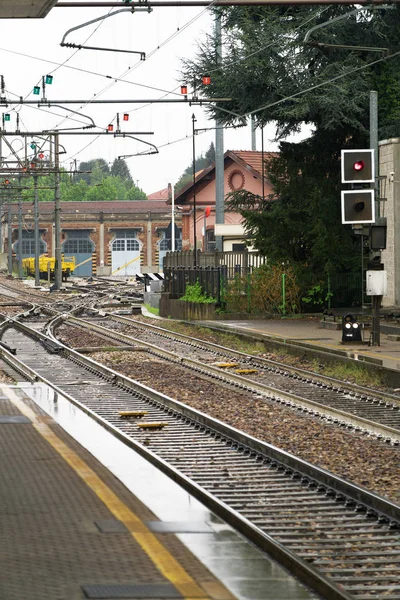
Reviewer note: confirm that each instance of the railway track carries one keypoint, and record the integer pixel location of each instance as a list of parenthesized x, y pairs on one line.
[(338, 538), (363, 409)]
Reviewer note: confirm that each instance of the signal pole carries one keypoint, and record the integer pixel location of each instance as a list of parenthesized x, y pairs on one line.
[(36, 225), (57, 211), (20, 272), (373, 144), (9, 229)]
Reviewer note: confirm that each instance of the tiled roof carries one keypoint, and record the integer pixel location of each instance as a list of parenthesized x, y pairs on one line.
[(160, 195), (117, 206), (253, 158), (247, 159)]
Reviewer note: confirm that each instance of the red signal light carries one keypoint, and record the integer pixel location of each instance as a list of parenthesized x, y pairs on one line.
[(184, 89), (126, 117), (207, 211), (359, 165), (7, 181), (110, 127), (206, 80), (41, 155)]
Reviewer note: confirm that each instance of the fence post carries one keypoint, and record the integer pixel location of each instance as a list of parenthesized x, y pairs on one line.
[(329, 292), (248, 293), (245, 262), (283, 294)]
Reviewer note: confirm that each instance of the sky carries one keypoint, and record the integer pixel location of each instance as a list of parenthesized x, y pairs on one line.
[(30, 49)]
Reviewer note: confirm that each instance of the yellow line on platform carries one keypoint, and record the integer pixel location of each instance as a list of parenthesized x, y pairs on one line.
[(159, 555)]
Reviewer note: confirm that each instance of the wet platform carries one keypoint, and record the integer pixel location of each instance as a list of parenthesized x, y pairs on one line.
[(313, 333), (83, 516)]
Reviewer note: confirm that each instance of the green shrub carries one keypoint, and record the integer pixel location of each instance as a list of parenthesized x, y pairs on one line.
[(194, 293)]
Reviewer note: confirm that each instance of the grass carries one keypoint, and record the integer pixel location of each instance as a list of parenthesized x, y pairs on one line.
[(358, 374), (153, 311)]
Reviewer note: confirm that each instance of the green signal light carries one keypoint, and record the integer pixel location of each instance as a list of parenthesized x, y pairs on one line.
[(33, 145), (49, 79), (36, 90), (7, 117)]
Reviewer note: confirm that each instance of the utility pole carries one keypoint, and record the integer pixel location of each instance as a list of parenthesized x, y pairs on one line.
[(9, 229), (36, 224), (219, 148), (194, 191), (373, 144), (20, 271), (253, 133), (1, 220), (262, 162), (57, 211)]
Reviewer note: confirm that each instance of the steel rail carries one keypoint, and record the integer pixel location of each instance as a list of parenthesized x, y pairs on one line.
[(272, 393), (324, 411), (359, 389), (297, 565), (381, 505)]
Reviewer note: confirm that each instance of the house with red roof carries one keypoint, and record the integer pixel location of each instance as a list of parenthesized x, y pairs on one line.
[(242, 170)]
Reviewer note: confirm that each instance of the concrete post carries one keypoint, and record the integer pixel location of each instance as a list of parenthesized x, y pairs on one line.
[(389, 169)]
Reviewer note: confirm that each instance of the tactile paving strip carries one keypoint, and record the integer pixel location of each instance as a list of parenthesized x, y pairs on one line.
[(13, 419), (131, 591), (111, 526)]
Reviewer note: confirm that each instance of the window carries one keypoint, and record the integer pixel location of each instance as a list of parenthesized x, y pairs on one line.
[(78, 242), (210, 240), (238, 247), (165, 244), (132, 245), (28, 244), (118, 245), (78, 246), (125, 234)]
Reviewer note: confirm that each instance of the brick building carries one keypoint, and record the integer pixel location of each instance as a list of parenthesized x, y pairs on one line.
[(106, 238), (242, 170)]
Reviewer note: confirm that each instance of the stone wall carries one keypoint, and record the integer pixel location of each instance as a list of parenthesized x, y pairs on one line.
[(185, 311), (389, 169)]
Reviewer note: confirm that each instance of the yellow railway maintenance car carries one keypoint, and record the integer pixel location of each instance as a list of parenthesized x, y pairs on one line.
[(47, 266)]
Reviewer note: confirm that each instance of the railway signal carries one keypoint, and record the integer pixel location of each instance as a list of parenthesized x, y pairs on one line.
[(351, 331), (357, 170), (358, 166), (358, 206)]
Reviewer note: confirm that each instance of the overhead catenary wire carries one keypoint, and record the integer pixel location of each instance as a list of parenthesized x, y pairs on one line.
[(171, 37), (159, 46)]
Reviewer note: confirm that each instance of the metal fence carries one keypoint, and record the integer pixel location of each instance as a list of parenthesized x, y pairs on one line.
[(210, 278), (227, 277), (234, 263), (337, 290)]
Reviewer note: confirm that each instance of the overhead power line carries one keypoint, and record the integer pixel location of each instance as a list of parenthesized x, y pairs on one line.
[(196, 3)]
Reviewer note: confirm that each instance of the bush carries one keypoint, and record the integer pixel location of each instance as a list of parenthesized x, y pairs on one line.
[(261, 292), (194, 293)]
